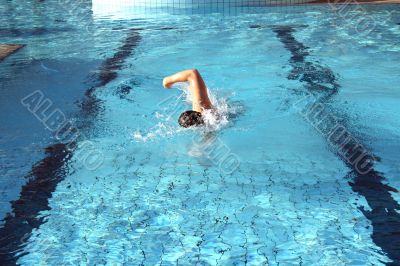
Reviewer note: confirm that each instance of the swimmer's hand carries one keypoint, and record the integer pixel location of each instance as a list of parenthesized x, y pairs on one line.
[(167, 83)]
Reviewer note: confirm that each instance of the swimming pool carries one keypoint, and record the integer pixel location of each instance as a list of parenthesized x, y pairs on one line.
[(273, 184)]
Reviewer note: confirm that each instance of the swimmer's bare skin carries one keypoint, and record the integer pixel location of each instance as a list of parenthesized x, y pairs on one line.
[(197, 87)]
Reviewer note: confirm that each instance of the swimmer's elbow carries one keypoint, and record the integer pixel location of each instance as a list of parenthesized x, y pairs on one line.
[(193, 74), (194, 71)]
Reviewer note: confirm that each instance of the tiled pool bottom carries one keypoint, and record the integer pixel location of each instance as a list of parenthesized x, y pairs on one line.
[(264, 214)]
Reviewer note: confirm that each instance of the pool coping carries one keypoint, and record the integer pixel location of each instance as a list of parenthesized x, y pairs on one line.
[(352, 2), (8, 49)]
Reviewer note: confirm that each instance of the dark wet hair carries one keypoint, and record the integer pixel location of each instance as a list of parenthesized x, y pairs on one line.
[(190, 118)]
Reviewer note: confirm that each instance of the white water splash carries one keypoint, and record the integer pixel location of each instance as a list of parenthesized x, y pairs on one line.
[(167, 125), (161, 129), (217, 118)]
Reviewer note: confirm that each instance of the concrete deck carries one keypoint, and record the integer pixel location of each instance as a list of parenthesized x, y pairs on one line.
[(8, 49), (354, 2)]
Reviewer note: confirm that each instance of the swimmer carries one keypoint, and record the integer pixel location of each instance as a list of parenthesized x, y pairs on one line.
[(198, 89)]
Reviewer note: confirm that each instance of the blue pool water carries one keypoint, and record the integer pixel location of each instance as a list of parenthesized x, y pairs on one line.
[(263, 186)]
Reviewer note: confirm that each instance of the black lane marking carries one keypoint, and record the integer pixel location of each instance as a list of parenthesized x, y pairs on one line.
[(34, 198), (317, 79), (383, 216), (108, 71), (91, 105), (46, 174)]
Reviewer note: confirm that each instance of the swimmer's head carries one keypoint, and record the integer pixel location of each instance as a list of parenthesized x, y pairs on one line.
[(190, 118)]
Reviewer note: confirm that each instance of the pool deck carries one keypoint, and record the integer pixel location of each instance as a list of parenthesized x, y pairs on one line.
[(8, 49), (354, 2)]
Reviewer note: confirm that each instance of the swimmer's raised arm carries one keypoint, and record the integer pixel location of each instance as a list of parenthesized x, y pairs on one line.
[(197, 87), (183, 76)]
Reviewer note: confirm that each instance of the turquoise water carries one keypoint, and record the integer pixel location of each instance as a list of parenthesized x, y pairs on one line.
[(261, 187)]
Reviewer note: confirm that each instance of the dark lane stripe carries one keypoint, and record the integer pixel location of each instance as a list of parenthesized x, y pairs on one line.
[(46, 175), (108, 70), (33, 199), (322, 83), (317, 79), (91, 106)]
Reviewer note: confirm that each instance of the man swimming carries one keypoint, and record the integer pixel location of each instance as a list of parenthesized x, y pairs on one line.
[(199, 92)]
